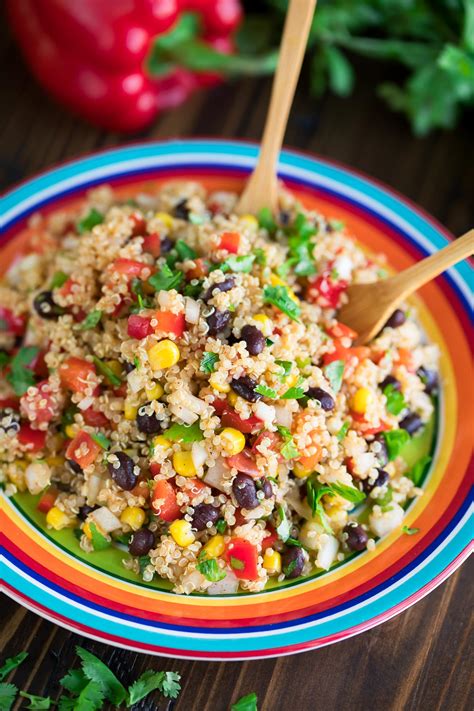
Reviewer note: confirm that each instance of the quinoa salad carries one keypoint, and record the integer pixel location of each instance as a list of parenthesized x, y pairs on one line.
[(174, 382)]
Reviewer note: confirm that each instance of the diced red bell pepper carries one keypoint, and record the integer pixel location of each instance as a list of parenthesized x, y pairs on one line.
[(121, 391), (93, 418), (66, 288), (169, 322), (242, 556), (83, 449), (325, 291), (164, 502), (139, 225), (194, 487), (199, 271), (155, 468), (77, 374), (244, 462), (365, 429), (270, 540), (47, 500), (404, 357), (350, 356), (13, 402), (239, 518), (152, 244), (275, 442), (33, 440), (230, 418), (11, 323), (138, 327), (38, 365), (340, 330), (230, 241), (129, 267), (40, 406)]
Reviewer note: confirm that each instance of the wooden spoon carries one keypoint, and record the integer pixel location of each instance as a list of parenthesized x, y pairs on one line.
[(262, 187), (371, 305)]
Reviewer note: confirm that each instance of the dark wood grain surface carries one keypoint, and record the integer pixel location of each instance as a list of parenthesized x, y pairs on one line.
[(422, 659)]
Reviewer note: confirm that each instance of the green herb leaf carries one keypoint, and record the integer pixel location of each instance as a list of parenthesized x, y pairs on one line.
[(418, 470), (184, 433), (241, 264), (184, 250), (260, 256), (395, 440), (74, 681), (101, 440), (288, 449), (36, 702), (59, 278), (236, 563), (91, 698), (350, 493), (334, 372), (99, 541), (395, 400), (296, 392), (4, 359), (265, 219), (97, 671), (410, 531), (193, 290), (166, 682), (284, 527), (385, 499), (12, 663), (107, 372), (8, 694), (221, 526), (343, 431), (208, 362), (287, 366), (266, 391), (314, 495), (211, 571), (246, 703), (20, 377), (294, 542), (166, 279), (91, 320), (89, 221), (279, 296)]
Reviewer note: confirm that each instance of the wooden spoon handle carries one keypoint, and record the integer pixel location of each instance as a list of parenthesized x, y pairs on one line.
[(261, 189), (419, 274)]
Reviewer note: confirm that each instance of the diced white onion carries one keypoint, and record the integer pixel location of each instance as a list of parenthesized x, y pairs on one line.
[(383, 522), (105, 519), (227, 586), (199, 454), (328, 548), (215, 474), (94, 485), (135, 381), (283, 416), (37, 476), (265, 412), (184, 414), (85, 403), (343, 265), (192, 310), (164, 299)]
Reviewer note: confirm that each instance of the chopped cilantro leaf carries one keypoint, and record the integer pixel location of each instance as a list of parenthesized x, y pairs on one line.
[(20, 377), (166, 279), (288, 449), (12, 663), (246, 703), (343, 431), (166, 682), (211, 571), (260, 256), (4, 359), (395, 400), (99, 541), (418, 470), (221, 525), (410, 531), (184, 433), (279, 296), (334, 372), (265, 219), (98, 672), (193, 290), (59, 278), (208, 362), (395, 440), (8, 694), (266, 391), (350, 493), (36, 702), (93, 218), (296, 392), (91, 320), (294, 542), (185, 251), (107, 372), (314, 495), (286, 365), (238, 264)]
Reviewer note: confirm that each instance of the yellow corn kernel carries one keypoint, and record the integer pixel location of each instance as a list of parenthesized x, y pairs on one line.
[(57, 519), (361, 400), (166, 219), (155, 392), (70, 431), (130, 411), (215, 546), (160, 441), (115, 366), (183, 463), (232, 398), (272, 561), (182, 533), (291, 380), (232, 440), (55, 461), (133, 516), (300, 471), (163, 354), (249, 221), (265, 324), (86, 529), (276, 281), (216, 383)]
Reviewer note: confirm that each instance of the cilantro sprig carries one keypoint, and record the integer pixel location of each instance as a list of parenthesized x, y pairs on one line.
[(334, 372), (20, 376), (288, 449), (208, 362), (279, 296), (166, 279), (395, 400), (93, 218)]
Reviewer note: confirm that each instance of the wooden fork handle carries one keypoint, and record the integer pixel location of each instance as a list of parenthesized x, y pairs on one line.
[(419, 274)]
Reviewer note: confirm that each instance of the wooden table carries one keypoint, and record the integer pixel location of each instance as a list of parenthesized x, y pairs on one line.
[(419, 660)]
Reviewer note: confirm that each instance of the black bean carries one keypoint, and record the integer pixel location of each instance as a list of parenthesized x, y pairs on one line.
[(166, 245), (123, 471), (218, 322), (85, 510), (390, 380), (128, 367), (181, 210), (382, 454), (284, 217), (356, 537), (254, 339), (46, 307), (411, 423), (76, 468), (141, 542), (204, 514), (265, 486), (429, 378), (147, 421), (245, 491), (245, 387), (9, 421), (396, 320), (382, 479), (225, 285), (326, 400), (293, 561)]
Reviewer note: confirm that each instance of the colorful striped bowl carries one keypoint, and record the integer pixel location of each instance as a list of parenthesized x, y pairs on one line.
[(95, 596)]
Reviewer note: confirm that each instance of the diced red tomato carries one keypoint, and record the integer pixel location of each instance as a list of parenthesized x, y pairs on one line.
[(155, 468), (239, 517), (152, 244), (121, 391), (350, 356), (39, 407), (164, 502), (83, 449), (270, 540), (275, 442), (244, 462), (242, 556), (325, 291), (33, 440), (194, 487), (129, 267), (199, 271), (47, 500), (38, 365), (76, 374), (365, 428), (121, 307), (404, 357), (138, 327), (78, 314), (139, 225), (230, 418), (11, 323), (339, 330), (13, 402), (170, 322), (66, 288), (350, 464), (230, 241), (141, 488), (93, 418)]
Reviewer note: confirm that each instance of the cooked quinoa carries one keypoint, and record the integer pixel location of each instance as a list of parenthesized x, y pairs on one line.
[(175, 379)]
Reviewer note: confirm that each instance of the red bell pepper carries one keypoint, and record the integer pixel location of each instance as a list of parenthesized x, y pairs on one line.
[(76, 374), (164, 502), (47, 500), (83, 449), (32, 440), (11, 323), (169, 322), (242, 556), (138, 327), (117, 63), (244, 462)]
